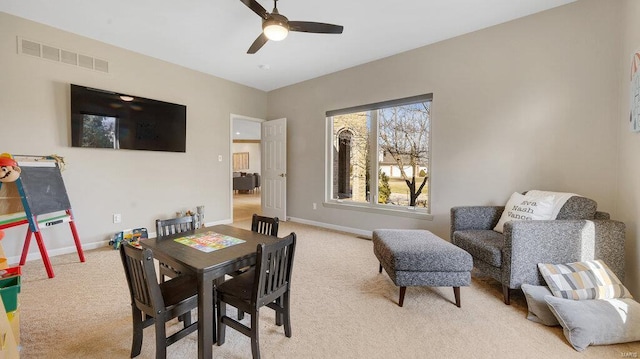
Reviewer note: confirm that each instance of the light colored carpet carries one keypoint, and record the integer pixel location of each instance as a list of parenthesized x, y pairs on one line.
[(341, 308)]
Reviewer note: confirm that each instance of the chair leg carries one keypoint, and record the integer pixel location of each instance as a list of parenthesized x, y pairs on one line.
[(186, 319), (506, 293), (380, 268), (402, 291), (161, 338), (136, 343), (255, 329), (279, 311), (285, 300), (222, 311), (456, 293)]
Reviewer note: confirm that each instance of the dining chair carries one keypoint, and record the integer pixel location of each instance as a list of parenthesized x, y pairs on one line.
[(263, 225), (167, 227), (268, 284), (157, 303)]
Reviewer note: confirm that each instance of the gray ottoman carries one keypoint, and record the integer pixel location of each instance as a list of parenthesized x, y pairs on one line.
[(420, 258)]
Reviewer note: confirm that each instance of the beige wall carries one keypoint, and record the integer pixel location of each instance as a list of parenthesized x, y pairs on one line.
[(628, 193), (141, 185), (529, 104)]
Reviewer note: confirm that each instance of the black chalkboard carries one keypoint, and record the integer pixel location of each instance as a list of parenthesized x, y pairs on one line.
[(44, 190)]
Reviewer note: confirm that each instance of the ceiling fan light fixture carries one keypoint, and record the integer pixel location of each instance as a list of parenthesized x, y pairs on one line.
[(275, 30)]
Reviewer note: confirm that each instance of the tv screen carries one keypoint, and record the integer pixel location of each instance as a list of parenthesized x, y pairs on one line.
[(105, 119)]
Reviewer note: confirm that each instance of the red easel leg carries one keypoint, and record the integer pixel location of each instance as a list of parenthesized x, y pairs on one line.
[(25, 248), (44, 254), (77, 240)]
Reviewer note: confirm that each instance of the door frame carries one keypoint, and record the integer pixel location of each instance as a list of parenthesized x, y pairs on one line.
[(233, 117)]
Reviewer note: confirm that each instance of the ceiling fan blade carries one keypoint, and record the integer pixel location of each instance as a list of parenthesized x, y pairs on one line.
[(260, 41), (316, 27), (257, 8)]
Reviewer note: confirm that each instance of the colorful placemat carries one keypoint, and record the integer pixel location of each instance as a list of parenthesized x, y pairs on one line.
[(209, 241)]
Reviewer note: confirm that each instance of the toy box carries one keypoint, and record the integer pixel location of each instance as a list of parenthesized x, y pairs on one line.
[(9, 289)]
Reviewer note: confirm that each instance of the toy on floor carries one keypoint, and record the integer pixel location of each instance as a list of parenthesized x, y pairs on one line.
[(133, 236)]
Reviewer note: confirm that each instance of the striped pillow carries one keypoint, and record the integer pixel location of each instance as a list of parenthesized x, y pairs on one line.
[(583, 280)]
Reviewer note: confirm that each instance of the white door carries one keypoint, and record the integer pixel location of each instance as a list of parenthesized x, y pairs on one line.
[(274, 169)]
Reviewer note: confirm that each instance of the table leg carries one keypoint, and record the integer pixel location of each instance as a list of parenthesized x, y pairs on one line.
[(206, 321)]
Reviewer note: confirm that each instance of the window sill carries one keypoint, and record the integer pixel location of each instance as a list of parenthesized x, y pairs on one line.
[(400, 211)]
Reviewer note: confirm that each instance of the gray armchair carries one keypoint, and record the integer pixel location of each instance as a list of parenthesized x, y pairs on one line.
[(578, 233), (244, 183)]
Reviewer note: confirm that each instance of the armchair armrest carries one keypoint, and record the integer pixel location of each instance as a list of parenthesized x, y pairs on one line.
[(474, 217), (528, 243)]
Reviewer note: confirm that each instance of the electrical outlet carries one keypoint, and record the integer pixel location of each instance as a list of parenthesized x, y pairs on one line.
[(117, 218), (315, 206), (219, 158)]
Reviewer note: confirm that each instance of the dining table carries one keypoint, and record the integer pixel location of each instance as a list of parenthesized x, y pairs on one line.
[(209, 263)]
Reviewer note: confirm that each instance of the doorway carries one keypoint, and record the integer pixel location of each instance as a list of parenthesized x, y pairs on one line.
[(246, 163)]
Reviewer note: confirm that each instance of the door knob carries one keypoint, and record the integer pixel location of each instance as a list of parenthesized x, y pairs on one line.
[(283, 175)]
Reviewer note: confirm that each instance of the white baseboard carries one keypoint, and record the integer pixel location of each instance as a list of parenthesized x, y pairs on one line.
[(88, 246), (357, 231), (59, 251), (95, 245)]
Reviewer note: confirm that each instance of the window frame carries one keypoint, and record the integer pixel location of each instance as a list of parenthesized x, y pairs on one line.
[(372, 206)]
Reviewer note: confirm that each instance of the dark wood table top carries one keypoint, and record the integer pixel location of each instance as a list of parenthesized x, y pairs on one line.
[(184, 257)]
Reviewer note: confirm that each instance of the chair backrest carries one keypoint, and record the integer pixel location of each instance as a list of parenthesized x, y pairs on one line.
[(140, 271), (578, 207), (265, 225), (167, 227), (273, 270)]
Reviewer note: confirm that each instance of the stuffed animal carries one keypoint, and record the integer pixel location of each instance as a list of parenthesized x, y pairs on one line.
[(9, 170)]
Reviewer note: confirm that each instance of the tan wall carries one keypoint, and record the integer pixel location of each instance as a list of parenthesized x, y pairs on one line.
[(529, 104), (141, 185), (628, 194)]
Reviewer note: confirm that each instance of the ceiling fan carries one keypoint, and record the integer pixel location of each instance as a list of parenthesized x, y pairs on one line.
[(276, 27)]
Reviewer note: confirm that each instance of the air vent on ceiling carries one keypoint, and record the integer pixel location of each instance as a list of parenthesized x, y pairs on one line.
[(85, 61), (69, 57), (50, 53), (33, 48)]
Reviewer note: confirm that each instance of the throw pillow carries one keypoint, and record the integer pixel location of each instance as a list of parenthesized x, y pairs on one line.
[(521, 207), (559, 199), (598, 321), (583, 280), (539, 311)]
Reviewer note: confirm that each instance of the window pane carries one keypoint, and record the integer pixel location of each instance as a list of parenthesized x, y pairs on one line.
[(350, 157), (403, 154)]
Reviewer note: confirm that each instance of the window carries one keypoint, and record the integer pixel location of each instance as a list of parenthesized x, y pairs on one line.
[(388, 142)]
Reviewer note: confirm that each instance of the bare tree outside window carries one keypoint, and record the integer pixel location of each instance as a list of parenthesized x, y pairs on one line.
[(403, 136), (380, 154)]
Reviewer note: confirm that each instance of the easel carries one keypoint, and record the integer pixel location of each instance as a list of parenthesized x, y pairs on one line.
[(42, 193)]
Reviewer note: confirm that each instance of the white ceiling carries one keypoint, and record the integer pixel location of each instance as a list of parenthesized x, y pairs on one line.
[(246, 129), (213, 36)]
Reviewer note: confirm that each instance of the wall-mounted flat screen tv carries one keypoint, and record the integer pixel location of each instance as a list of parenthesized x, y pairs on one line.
[(106, 119)]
